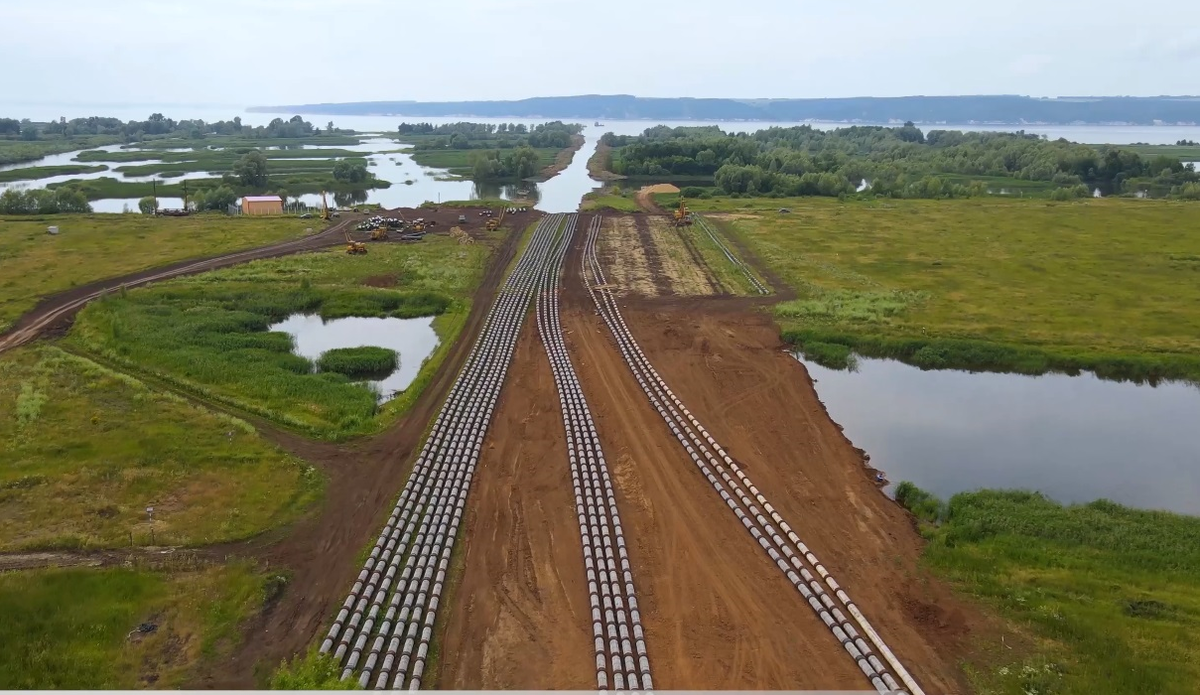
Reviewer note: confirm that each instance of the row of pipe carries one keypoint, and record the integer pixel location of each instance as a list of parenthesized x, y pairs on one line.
[(737, 262), (383, 630), (620, 648), (778, 540)]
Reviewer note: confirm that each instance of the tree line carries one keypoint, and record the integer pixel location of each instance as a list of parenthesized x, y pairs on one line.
[(896, 161), (156, 125), (465, 135)]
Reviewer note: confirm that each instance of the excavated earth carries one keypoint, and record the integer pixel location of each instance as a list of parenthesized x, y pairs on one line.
[(718, 613)]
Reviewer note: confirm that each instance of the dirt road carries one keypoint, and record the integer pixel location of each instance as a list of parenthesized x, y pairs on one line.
[(718, 613)]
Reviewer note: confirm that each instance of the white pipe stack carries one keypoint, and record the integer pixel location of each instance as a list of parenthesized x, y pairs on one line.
[(385, 625), (737, 262), (620, 647), (777, 539)]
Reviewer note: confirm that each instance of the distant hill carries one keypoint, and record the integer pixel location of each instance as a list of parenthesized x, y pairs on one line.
[(1002, 109)]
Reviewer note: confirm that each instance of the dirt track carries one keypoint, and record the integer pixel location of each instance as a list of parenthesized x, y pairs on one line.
[(718, 613)]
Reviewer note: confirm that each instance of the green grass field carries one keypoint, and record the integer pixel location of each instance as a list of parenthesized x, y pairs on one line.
[(602, 202), (34, 264), (458, 162), (731, 277), (207, 333), (1010, 285), (87, 449), (69, 629), (31, 173), (1109, 595)]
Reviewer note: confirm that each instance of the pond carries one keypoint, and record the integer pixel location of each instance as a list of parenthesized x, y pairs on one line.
[(414, 340), (1074, 438)]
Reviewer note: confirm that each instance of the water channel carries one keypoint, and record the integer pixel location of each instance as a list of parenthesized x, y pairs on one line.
[(413, 184), (1074, 438), (414, 340)]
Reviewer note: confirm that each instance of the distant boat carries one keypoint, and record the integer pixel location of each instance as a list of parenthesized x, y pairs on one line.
[(599, 123)]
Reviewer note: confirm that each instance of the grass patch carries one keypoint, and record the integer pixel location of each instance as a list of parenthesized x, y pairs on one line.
[(729, 276), (593, 202), (458, 162), (31, 173), (1008, 285), (358, 362), (69, 629), (34, 264), (208, 333), (313, 671), (1111, 593), (88, 449)]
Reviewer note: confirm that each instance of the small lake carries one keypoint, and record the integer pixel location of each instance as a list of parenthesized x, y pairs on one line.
[(1074, 438), (414, 340)]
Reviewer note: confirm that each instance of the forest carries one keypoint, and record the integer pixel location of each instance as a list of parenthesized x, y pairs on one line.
[(894, 161), (472, 136)]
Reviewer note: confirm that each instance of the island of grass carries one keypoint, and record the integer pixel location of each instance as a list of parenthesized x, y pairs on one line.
[(208, 334), (491, 152), (1105, 599), (986, 284), (359, 362)]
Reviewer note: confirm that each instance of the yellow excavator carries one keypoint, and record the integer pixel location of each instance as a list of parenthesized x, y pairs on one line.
[(324, 207), (354, 248), (493, 223), (379, 234), (682, 215)]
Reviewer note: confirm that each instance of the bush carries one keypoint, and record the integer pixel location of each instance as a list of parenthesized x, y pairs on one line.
[(922, 504), (358, 361), (147, 205)]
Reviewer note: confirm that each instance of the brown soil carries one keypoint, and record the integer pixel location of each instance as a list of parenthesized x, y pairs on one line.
[(645, 198), (718, 614)]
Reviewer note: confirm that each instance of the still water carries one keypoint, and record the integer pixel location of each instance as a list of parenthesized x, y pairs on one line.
[(414, 340), (1074, 438)]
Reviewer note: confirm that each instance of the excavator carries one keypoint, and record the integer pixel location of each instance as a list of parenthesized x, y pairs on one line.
[(682, 215), (325, 208), (493, 223), (379, 234), (353, 247)]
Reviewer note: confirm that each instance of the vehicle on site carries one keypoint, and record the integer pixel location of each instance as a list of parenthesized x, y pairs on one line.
[(462, 219), (379, 234), (324, 207), (353, 247), (682, 215)]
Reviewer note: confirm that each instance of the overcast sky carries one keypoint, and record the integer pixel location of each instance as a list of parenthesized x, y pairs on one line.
[(254, 52)]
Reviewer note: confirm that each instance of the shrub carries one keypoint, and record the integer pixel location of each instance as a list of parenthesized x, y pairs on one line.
[(358, 361)]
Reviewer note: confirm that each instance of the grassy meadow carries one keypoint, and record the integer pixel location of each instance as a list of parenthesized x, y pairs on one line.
[(1109, 596), (30, 173), (1030, 286), (458, 162), (208, 333), (34, 264), (72, 629), (87, 449)]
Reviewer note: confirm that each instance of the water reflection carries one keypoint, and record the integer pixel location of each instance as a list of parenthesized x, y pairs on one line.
[(414, 340), (1075, 438)]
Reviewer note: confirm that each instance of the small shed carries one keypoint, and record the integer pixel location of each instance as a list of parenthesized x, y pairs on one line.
[(262, 205)]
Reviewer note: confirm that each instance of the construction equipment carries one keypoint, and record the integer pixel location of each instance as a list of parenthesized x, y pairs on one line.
[(682, 215), (379, 234), (493, 223), (325, 209), (354, 248)]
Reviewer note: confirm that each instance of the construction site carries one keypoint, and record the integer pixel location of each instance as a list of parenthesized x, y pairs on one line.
[(618, 479)]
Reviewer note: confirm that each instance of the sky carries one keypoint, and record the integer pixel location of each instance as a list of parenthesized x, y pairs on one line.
[(264, 52)]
